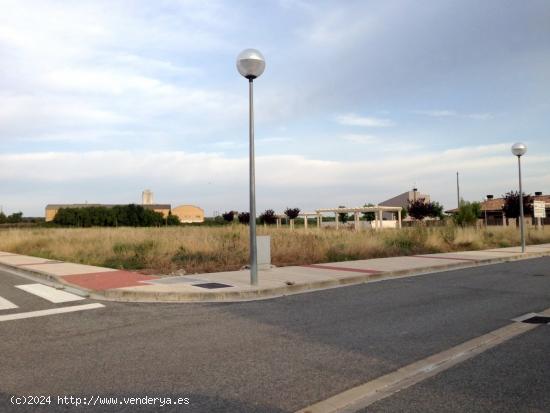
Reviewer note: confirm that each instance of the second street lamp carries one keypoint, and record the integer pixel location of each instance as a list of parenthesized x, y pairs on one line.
[(251, 64), (519, 149)]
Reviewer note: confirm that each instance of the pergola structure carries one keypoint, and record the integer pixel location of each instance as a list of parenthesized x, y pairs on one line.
[(280, 218), (377, 209), (306, 215)]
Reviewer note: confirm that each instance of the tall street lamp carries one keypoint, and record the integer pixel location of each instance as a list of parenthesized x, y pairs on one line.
[(519, 150), (251, 64)]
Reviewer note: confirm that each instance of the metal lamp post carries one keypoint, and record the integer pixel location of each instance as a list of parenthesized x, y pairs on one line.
[(519, 149), (251, 64)]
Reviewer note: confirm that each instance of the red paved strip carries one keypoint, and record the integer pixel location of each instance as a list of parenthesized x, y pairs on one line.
[(329, 267), (100, 281), (446, 258)]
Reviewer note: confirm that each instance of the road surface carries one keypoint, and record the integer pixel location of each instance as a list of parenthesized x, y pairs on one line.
[(283, 354)]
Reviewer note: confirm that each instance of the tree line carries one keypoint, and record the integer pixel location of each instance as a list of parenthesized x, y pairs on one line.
[(120, 215), (14, 218)]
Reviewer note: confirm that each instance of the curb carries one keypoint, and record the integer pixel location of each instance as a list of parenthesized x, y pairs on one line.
[(253, 295)]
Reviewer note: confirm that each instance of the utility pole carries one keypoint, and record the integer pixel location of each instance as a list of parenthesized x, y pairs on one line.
[(457, 192)]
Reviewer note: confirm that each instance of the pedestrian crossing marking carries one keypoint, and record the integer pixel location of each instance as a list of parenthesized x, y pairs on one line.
[(6, 305), (48, 293), (41, 313)]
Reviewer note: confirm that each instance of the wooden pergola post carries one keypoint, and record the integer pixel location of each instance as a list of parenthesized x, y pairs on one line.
[(399, 218)]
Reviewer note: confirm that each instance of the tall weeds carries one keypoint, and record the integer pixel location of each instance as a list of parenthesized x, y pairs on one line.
[(209, 249)]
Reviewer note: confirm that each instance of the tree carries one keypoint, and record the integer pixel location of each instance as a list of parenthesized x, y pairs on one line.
[(15, 218), (368, 216), (420, 209), (343, 216), (436, 210), (511, 204), (292, 214), (244, 218), (229, 216), (468, 213), (3, 218), (268, 217), (172, 219)]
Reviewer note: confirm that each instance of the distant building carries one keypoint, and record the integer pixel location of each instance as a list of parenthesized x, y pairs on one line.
[(186, 213), (492, 209), (189, 214), (147, 197), (52, 209), (403, 200)]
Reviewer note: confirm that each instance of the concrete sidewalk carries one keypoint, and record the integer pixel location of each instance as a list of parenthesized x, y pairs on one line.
[(116, 285)]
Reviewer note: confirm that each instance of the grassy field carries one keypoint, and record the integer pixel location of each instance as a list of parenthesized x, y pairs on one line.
[(209, 249)]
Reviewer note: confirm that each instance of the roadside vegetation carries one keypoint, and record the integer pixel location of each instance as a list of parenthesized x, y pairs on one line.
[(119, 215), (193, 249)]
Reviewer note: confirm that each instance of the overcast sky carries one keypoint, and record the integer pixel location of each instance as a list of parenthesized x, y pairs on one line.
[(360, 101)]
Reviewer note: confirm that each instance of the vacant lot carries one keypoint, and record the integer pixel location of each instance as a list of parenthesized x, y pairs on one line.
[(209, 249)]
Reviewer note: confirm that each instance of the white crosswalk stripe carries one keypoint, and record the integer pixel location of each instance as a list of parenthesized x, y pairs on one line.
[(48, 293), (6, 305), (52, 311)]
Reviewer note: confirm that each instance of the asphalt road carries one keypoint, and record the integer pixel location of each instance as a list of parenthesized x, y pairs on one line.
[(510, 378), (283, 354)]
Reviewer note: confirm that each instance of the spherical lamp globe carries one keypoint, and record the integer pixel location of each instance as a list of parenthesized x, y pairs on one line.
[(519, 149), (250, 63)]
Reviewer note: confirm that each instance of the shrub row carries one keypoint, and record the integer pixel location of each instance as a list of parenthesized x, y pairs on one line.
[(121, 215)]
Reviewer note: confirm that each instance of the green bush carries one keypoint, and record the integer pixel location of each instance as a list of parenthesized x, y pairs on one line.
[(468, 213), (172, 219), (132, 256), (184, 256)]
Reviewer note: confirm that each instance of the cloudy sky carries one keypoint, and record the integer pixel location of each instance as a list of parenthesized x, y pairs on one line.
[(360, 101)]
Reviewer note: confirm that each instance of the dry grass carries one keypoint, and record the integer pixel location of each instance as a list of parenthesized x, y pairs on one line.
[(208, 249)]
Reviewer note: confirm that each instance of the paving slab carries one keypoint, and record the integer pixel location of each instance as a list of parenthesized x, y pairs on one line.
[(485, 254), (180, 279), (528, 248), (65, 268), (23, 260), (305, 272), (388, 264), (6, 253)]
